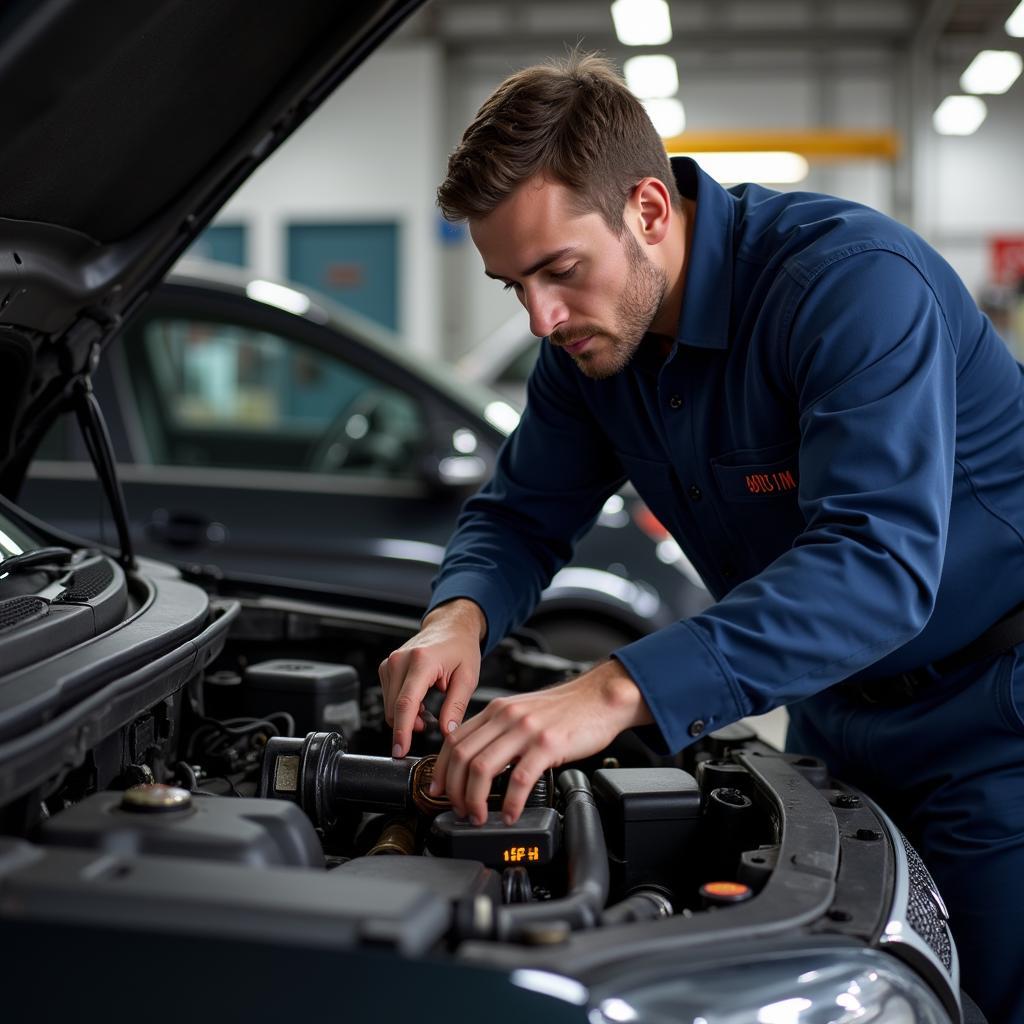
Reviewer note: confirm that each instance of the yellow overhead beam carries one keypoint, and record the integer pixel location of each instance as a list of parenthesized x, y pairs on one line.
[(814, 145)]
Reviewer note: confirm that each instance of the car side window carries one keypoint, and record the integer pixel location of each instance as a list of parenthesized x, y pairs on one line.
[(227, 395)]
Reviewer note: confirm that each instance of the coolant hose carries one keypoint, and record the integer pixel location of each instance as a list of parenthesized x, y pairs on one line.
[(587, 858), (642, 905)]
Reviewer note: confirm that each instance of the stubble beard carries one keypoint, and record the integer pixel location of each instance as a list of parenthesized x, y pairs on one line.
[(638, 305)]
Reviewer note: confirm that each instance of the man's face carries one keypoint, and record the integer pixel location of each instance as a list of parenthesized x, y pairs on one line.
[(594, 294)]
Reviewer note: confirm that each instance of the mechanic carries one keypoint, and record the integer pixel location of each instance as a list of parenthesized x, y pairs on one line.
[(807, 397)]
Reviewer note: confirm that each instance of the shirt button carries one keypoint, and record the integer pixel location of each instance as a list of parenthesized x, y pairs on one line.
[(675, 402), (696, 727), (695, 493), (728, 572)]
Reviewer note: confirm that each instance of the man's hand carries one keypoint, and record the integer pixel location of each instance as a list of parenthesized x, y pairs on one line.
[(535, 731), (445, 653)]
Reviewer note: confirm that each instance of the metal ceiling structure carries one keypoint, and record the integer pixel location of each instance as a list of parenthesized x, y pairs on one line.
[(477, 28), (921, 46)]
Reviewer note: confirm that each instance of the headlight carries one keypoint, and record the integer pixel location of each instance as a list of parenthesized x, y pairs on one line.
[(815, 985)]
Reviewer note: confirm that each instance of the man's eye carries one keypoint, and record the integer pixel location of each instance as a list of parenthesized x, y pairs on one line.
[(509, 285), (564, 274)]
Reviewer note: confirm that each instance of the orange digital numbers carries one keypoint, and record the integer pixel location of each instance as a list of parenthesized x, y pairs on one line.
[(517, 854)]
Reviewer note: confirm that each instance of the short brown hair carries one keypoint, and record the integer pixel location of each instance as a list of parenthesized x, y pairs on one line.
[(573, 119)]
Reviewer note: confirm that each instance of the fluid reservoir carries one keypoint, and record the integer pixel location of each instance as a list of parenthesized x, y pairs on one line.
[(171, 822)]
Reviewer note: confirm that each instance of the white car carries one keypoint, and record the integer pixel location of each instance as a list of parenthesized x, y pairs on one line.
[(504, 359)]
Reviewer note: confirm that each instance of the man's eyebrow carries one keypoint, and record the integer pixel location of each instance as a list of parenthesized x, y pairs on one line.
[(540, 264)]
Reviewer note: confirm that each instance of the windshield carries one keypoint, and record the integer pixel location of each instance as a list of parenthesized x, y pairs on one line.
[(13, 539)]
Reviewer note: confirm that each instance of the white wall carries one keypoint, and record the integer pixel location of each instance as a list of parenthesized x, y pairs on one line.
[(373, 151), (378, 149), (979, 187)]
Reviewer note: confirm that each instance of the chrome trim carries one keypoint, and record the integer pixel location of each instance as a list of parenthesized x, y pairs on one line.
[(898, 930), (242, 479)]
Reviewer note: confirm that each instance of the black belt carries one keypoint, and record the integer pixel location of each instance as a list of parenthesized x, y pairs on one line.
[(909, 686)]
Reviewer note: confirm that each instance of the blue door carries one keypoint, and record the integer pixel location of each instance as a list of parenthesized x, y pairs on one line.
[(223, 243), (354, 264)]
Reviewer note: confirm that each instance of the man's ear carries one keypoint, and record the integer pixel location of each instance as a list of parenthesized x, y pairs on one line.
[(650, 207)]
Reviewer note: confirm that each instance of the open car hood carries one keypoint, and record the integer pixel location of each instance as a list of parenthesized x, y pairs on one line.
[(126, 127)]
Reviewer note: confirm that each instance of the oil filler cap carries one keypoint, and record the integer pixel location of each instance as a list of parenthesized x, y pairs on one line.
[(721, 894), (155, 798)]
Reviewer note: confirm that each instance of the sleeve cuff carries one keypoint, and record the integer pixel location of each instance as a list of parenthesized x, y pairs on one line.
[(687, 688), (481, 590)]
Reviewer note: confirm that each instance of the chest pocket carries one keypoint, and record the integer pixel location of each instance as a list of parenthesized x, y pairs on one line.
[(761, 476), (758, 488)]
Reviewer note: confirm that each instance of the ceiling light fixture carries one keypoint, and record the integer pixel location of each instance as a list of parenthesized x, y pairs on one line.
[(992, 71), (767, 168), (653, 76), (642, 22), (667, 116), (1015, 22), (959, 115)]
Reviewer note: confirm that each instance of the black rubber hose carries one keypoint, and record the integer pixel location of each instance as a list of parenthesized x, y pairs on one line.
[(587, 857), (644, 905)]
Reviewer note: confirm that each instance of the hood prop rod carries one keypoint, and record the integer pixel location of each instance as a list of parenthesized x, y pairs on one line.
[(101, 452)]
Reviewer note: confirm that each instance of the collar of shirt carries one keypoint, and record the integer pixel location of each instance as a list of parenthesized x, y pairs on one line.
[(707, 297)]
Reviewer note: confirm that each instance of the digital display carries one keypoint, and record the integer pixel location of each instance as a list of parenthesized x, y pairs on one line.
[(530, 842), (521, 854)]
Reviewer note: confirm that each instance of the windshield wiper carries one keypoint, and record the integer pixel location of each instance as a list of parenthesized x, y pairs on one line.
[(36, 559)]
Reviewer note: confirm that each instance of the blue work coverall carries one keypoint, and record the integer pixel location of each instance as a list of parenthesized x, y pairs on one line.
[(836, 440)]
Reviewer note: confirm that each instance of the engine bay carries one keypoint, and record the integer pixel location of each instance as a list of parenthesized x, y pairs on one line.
[(250, 797)]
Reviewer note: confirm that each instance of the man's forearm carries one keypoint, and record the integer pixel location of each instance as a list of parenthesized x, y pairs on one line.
[(621, 695), (462, 613)]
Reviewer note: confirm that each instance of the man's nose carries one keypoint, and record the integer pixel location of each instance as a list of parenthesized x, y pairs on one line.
[(547, 311)]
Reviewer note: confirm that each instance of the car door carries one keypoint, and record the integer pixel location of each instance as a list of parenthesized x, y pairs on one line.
[(264, 443)]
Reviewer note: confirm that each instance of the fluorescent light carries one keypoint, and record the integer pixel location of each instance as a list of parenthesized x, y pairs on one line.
[(651, 76), (1015, 22), (992, 71), (277, 295), (959, 115), (772, 167), (642, 22), (667, 116)]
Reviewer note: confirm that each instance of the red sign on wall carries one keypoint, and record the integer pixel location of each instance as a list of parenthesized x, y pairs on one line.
[(1007, 259)]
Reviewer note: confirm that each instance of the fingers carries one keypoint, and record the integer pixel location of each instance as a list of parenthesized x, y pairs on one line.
[(460, 688), (479, 751), (474, 763), (521, 782), (514, 736), (444, 655), (441, 781), (405, 692)]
